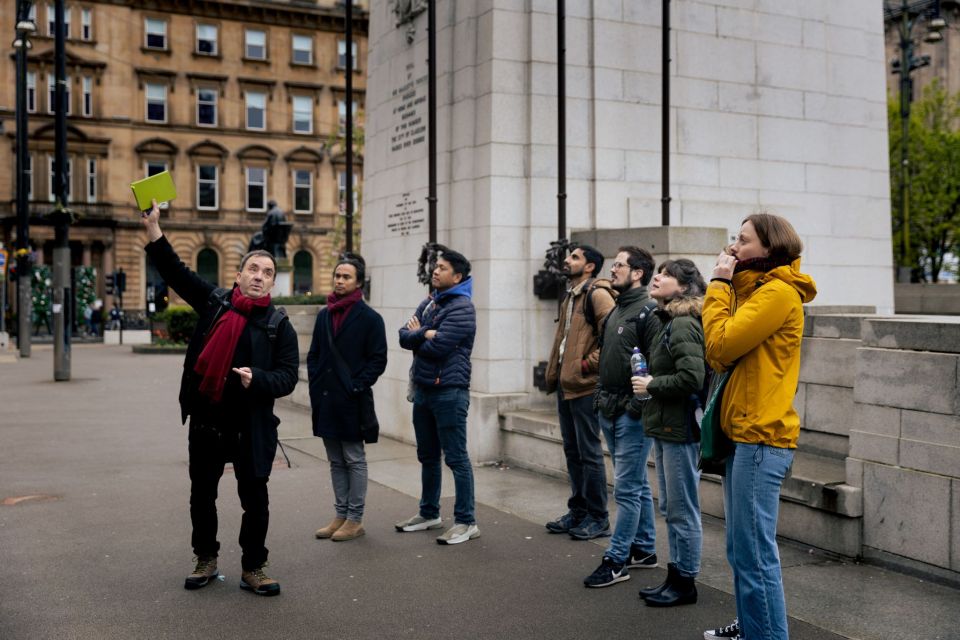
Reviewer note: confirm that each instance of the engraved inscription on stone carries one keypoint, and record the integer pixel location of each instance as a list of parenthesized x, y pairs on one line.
[(409, 112), (407, 216)]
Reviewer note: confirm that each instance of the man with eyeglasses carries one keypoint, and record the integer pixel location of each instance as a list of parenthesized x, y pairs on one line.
[(632, 323)]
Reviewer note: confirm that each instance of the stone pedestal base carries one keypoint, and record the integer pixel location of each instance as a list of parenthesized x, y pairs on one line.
[(283, 286), (130, 336)]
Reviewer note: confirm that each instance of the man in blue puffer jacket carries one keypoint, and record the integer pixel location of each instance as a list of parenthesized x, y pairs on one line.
[(441, 334)]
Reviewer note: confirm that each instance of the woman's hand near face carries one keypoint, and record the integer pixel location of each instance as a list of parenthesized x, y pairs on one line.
[(726, 263)]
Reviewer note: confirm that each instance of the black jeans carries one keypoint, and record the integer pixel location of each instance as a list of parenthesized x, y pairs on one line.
[(584, 452), (210, 450)]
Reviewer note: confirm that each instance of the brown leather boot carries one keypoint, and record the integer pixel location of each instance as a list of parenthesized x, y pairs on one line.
[(330, 529), (350, 530)]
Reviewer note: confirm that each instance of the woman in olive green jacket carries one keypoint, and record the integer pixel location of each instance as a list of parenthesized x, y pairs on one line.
[(677, 370)]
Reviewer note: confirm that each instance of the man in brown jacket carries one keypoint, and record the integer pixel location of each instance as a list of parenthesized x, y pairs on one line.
[(572, 372)]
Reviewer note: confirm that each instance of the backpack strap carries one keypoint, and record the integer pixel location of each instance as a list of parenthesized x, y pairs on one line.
[(279, 313), (640, 326)]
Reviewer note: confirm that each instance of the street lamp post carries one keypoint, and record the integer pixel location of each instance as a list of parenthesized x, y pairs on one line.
[(62, 292), (24, 29), (906, 14)]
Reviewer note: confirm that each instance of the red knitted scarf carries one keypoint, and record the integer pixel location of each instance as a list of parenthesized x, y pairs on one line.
[(340, 307), (214, 362)]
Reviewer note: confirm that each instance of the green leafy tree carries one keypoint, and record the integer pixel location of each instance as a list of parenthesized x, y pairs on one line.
[(932, 179), (41, 297), (85, 279)]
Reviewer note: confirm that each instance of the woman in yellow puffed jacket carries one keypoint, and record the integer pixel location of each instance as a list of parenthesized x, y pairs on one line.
[(753, 319)]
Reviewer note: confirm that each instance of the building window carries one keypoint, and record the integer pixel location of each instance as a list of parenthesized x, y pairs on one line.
[(342, 114), (302, 272), (52, 20), (52, 93), (86, 24), (208, 266), (206, 107), (342, 54), (32, 13), (342, 190), (302, 191), (302, 114), (91, 180), (256, 110), (207, 187), (52, 182), (156, 102), (302, 49), (87, 83), (153, 167), (256, 45), (28, 173), (256, 189), (31, 91), (207, 39), (156, 33)]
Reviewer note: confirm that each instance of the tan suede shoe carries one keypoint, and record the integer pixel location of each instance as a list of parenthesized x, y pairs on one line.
[(348, 531), (330, 529)]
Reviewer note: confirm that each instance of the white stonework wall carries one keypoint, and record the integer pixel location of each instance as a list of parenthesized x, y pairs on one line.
[(776, 104)]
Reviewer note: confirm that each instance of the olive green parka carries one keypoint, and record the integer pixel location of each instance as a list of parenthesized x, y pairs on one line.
[(678, 368)]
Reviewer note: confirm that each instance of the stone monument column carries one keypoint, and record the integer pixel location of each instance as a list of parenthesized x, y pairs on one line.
[(770, 109)]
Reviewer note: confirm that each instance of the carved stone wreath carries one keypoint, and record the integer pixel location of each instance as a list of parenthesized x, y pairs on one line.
[(406, 12)]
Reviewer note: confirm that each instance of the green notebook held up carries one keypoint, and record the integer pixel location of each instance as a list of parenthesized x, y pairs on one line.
[(157, 187)]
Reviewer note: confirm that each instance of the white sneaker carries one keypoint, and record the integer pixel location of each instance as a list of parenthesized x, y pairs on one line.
[(418, 523), (459, 533)]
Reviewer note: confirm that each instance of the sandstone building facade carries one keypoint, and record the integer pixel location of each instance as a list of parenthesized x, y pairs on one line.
[(242, 101)]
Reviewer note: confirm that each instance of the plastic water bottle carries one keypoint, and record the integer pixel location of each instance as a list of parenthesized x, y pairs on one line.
[(638, 365)]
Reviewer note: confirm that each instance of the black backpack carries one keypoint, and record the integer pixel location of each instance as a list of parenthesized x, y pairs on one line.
[(220, 297)]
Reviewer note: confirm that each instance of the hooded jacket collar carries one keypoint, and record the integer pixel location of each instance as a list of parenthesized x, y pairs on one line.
[(681, 306), (746, 282), (631, 295), (465, 288)]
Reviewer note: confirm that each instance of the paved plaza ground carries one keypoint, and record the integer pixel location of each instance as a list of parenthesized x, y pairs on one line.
[(103, 552)]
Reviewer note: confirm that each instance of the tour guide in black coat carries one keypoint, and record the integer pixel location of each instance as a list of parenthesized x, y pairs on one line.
[(232, 374)]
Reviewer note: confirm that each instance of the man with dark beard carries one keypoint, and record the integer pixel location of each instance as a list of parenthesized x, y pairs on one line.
[(632, 324), (572, 372)]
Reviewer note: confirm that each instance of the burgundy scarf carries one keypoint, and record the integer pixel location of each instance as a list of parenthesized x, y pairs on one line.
[(340, 307), (217, 355)]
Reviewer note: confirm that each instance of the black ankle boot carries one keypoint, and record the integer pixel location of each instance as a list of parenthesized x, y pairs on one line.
[(652, 591), (680, 591)]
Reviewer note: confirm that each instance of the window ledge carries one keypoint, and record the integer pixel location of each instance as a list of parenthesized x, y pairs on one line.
[(165, 52), (214, 56), (303, 65), (261, 61)]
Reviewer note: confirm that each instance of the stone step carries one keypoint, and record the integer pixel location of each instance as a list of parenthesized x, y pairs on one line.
[(817, 507)]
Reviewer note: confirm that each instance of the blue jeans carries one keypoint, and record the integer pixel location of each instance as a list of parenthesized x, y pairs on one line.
[(630, 448), (440, 423), (584, 453), (751, 497), (680, 502)]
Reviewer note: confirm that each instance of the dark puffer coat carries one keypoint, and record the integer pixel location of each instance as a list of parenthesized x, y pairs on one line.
[(445, 360), (274, 365), (678, 367), (362, 345)]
